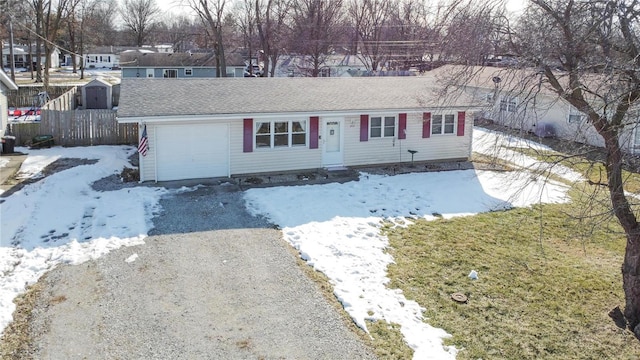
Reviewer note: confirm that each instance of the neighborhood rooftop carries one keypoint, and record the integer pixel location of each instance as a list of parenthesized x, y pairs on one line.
[(171, 97), (134, 59)]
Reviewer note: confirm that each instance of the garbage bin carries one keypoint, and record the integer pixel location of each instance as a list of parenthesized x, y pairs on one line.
[(8, 144), (41, 141)]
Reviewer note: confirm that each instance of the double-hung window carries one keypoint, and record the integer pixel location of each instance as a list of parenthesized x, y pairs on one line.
[(442, 124), (276, 133), (382, 126), (508, 103), (575, 116)]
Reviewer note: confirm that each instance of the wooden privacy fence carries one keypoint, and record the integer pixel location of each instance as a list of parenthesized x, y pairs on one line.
[(66, 101), (24, 96), (78, 128)]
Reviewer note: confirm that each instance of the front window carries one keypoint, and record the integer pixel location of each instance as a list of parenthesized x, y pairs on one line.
[(382, 126), (443, 124), (272, 134), (188, 72)]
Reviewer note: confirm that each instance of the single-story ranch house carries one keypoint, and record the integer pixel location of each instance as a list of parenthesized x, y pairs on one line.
[(202, 128), (177, 65)]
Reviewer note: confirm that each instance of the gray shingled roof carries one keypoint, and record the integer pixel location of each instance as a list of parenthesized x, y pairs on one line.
[(134, 59), (166, 97)]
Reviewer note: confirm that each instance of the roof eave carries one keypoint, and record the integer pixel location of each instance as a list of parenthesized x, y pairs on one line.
[(6, 80), (293, 114)]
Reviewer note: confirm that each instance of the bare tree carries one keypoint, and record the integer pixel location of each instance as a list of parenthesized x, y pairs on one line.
[(74, 25), (371, 19), (411, 35), (11, 12), (315, 30), (139, 16), (99, 21), (51, 25), (272, 24), (246, 21), (38, 8), (179, 31), (212, 14), (588, 54)]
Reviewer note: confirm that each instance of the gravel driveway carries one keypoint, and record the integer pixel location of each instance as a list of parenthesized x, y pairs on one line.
[(211, 282)]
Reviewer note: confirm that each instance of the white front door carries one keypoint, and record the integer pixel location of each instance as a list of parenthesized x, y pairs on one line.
[(332, 154)]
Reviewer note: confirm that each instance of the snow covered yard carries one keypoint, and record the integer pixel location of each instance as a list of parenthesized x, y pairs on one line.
[(336, 227), (61, 219)]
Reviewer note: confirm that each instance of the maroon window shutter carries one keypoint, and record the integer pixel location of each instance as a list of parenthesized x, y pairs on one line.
[(402, 126), (461, 116), (248, 135), (313, 132), (364, 127), (426, 125)]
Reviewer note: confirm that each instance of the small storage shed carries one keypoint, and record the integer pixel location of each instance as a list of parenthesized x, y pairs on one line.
[(97, 94)]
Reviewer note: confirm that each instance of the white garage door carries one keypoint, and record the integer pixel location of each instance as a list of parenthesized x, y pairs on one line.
[(192, 151)]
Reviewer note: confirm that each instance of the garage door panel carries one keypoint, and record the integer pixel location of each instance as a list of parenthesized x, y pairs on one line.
[(192, 151)]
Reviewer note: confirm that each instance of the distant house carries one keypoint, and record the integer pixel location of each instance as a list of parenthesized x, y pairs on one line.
[(331, 66), (176, 65), (102, 57), (25, 56), (6, 84), (198, 128), (164, 48)]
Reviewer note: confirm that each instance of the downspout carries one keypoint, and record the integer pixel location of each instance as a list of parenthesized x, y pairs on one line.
[(155, 157)]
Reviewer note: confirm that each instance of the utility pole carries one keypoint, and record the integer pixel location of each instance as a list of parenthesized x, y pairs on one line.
[(12, 61)]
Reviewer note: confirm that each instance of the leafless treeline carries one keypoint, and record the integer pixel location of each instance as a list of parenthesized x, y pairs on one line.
[(384, 34)]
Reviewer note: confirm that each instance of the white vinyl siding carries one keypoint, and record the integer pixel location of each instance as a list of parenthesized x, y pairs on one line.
[(390, 150), (148, 163), (378, 151), (269, 160)]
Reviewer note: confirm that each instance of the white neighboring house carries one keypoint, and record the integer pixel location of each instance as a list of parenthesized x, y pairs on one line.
[(336, 65), (545, 114), (104, 57), (203, 128), (6, 84), (164, 48), (24, 55)]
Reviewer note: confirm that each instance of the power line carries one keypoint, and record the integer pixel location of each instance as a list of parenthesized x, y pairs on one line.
[(46, 40)]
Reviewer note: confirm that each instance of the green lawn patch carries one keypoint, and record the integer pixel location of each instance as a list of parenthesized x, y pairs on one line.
[(547, 282)]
